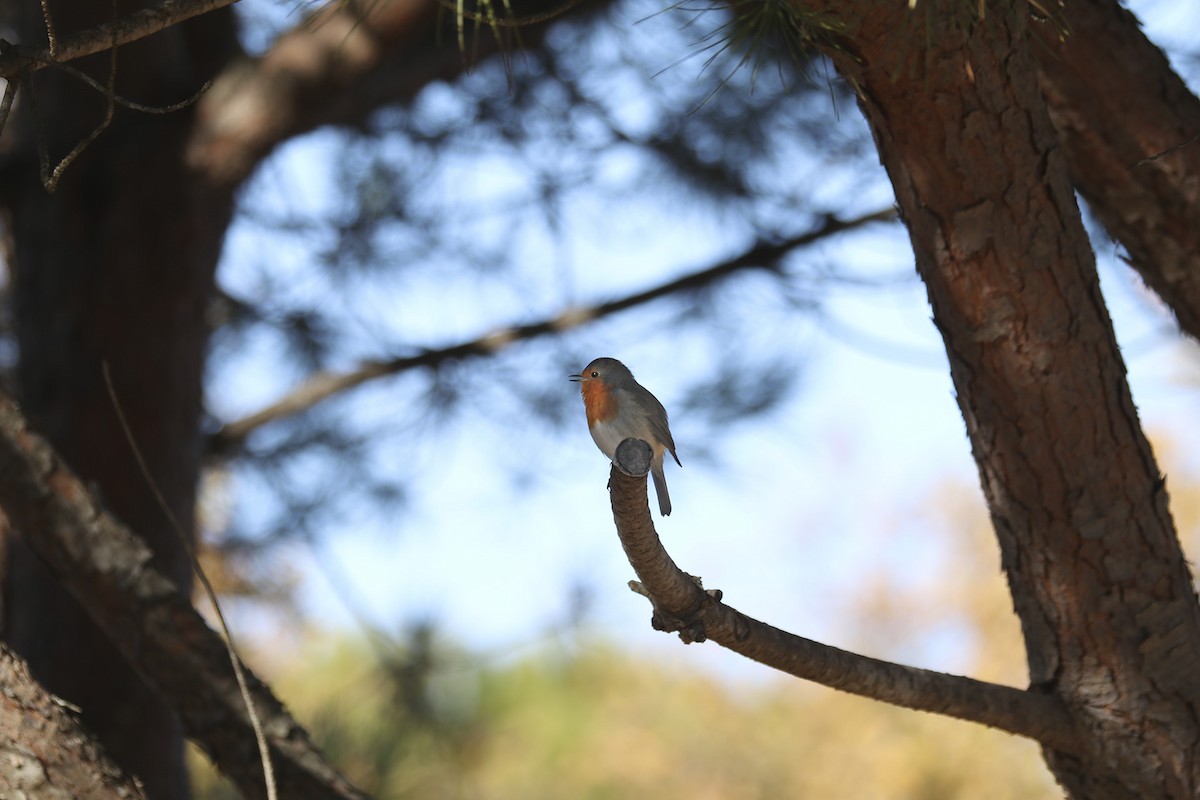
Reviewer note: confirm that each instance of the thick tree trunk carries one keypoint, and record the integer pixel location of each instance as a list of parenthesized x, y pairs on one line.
[(116, 266), (1110, 620)]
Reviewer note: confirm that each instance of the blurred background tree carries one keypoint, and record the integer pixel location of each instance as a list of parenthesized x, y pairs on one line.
[(412, 246)]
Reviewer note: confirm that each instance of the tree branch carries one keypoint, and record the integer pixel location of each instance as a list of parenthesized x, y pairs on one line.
[(681, 604), (44, 751), (109, 570), (1122, 114), (123, 30), (324, 385), (335, 68)]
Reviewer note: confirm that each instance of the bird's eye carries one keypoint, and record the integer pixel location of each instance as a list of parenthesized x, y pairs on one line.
[(595, 374)]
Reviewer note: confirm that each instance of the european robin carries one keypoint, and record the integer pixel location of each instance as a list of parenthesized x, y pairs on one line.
[(620, 408)]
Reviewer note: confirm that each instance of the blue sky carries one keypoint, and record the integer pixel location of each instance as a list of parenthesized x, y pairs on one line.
[(784, 517)]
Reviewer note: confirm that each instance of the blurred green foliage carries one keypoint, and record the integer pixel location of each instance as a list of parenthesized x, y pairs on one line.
[(600, 724)]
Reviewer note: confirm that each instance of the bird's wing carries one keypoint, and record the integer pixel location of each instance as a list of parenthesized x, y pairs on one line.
[(658, 424)]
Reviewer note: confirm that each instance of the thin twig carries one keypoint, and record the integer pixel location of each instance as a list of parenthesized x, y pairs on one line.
[(50, 178), (131, 104), (1173, 148), (235, 659), (51, 35), (51, 181)]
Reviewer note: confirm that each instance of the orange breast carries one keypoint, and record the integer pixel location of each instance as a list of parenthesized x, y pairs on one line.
[(598, 402)]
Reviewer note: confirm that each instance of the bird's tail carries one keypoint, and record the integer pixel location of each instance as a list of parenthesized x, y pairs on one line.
[(660, 487)]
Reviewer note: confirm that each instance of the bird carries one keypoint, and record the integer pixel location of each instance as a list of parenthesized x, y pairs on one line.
[(619, 408)]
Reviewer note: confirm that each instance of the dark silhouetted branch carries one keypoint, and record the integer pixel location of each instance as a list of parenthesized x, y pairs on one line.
[(323, 385), (123, 30), (681, 604)]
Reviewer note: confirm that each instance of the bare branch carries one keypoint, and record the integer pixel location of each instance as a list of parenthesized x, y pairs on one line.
[(681, 604), (50, 177), (125, 102), (109, 570), (324, 385)]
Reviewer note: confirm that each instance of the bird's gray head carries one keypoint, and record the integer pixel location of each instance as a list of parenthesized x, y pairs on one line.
[(605, 369)]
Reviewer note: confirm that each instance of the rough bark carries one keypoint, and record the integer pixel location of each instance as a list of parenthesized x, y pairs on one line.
[(1097, 576), (115, 266), (1128, 125), (44, 753)]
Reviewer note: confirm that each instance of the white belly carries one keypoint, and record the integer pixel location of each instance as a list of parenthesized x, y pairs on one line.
[(607, 435)]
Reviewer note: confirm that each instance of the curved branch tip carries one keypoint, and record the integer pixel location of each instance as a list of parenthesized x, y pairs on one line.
[(633, 457)]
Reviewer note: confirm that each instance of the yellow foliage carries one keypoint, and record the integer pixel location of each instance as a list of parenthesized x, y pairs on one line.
[(605, 725)]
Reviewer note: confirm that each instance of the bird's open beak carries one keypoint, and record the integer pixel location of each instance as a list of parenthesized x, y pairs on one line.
[(575, 378)]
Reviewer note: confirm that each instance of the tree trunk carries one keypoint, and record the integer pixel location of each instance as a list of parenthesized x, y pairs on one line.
[(115, 267), (1098, 579)]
